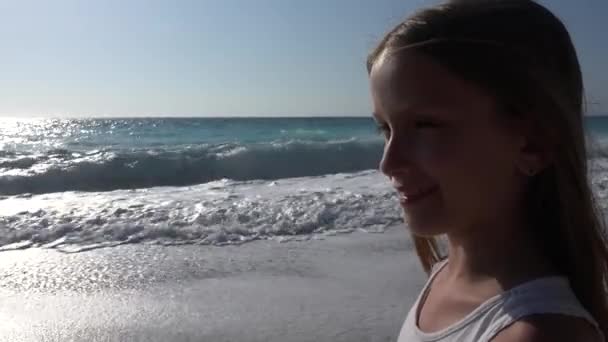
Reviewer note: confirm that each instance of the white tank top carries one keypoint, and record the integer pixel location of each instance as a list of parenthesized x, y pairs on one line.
[(550, 295)]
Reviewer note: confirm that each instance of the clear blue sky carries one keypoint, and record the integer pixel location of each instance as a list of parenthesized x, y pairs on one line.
[(219, 57)]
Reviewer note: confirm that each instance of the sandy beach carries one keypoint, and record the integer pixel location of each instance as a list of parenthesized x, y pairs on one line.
[(351, 287)]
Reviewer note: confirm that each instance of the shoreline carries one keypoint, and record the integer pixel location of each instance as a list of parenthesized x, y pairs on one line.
[(351, 287)]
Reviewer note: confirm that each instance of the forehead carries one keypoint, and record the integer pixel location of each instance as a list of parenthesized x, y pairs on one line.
[(411, 80)]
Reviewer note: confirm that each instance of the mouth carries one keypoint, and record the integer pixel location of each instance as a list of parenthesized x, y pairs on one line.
[(407, 198)]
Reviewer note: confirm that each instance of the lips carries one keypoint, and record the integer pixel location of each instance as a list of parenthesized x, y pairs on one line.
[(408, 196)]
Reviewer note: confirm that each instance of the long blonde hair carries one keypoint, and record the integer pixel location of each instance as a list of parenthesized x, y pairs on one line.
[(523, 55)]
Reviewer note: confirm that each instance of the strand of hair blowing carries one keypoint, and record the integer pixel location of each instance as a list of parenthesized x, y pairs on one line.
[(533, 71), (428, 251)]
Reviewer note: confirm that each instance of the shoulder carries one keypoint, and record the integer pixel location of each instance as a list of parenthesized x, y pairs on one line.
[(549, 327)]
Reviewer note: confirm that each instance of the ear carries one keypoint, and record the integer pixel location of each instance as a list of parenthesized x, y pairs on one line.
[(533, 154)]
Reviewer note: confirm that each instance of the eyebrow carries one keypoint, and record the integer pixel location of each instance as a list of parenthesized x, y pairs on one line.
[(418, 111)]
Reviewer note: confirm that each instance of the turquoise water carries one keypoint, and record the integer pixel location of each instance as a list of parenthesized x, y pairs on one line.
[(84, 134), (597, 126), (74, 185), (55, 155)]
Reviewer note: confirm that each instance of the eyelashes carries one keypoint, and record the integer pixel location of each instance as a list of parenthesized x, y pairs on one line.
[(423, 124), (383, 128)]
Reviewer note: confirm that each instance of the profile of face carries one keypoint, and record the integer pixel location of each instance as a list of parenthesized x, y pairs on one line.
[(455, 164)]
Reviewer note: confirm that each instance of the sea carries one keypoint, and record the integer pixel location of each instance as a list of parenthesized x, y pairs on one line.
[(80, 184)]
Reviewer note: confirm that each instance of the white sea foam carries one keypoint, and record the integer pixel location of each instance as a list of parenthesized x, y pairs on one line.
[(218, 213)]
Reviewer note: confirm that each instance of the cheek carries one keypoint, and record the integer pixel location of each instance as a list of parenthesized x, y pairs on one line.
[(438, 155), (467, 164), (432, 151), (474, 174)]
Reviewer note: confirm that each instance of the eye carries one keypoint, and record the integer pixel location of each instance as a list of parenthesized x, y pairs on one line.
[(425, 124)]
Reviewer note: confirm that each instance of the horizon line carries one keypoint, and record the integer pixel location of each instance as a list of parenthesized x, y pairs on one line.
[(186, 116)]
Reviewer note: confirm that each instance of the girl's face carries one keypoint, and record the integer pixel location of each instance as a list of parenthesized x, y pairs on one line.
[(453, 163)]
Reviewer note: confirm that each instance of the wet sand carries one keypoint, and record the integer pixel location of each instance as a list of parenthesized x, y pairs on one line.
[(352, 287)]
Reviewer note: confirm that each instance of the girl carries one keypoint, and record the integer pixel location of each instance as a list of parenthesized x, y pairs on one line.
[(481, 105)]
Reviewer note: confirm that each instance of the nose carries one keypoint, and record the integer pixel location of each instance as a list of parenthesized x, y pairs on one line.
[(396, 157)]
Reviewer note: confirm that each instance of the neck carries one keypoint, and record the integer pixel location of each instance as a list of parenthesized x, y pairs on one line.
[(506, 252)]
